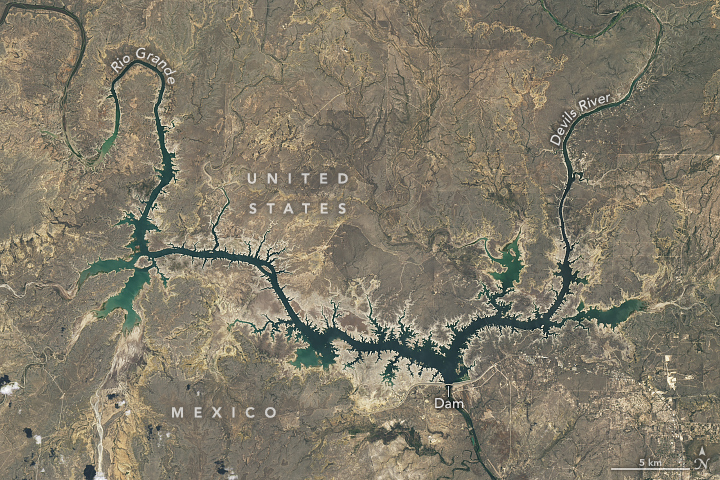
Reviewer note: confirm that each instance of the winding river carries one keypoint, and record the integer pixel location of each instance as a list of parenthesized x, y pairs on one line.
[(78, 60), (400, 343)]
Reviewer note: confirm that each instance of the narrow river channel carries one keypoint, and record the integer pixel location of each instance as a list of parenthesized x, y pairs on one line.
[(400, 342)]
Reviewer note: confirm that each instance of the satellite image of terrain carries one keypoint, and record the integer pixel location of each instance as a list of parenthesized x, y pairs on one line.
[(360, 239)]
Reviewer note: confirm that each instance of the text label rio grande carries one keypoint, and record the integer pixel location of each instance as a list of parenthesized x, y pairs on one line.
[(149, 57)]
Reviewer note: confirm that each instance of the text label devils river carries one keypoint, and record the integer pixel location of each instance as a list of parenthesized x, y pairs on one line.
[(568, 118)]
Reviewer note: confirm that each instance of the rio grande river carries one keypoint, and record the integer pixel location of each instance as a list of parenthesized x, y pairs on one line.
[(400, 342)]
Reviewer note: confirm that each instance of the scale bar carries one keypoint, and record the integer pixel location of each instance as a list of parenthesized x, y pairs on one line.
[(638, 469)]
